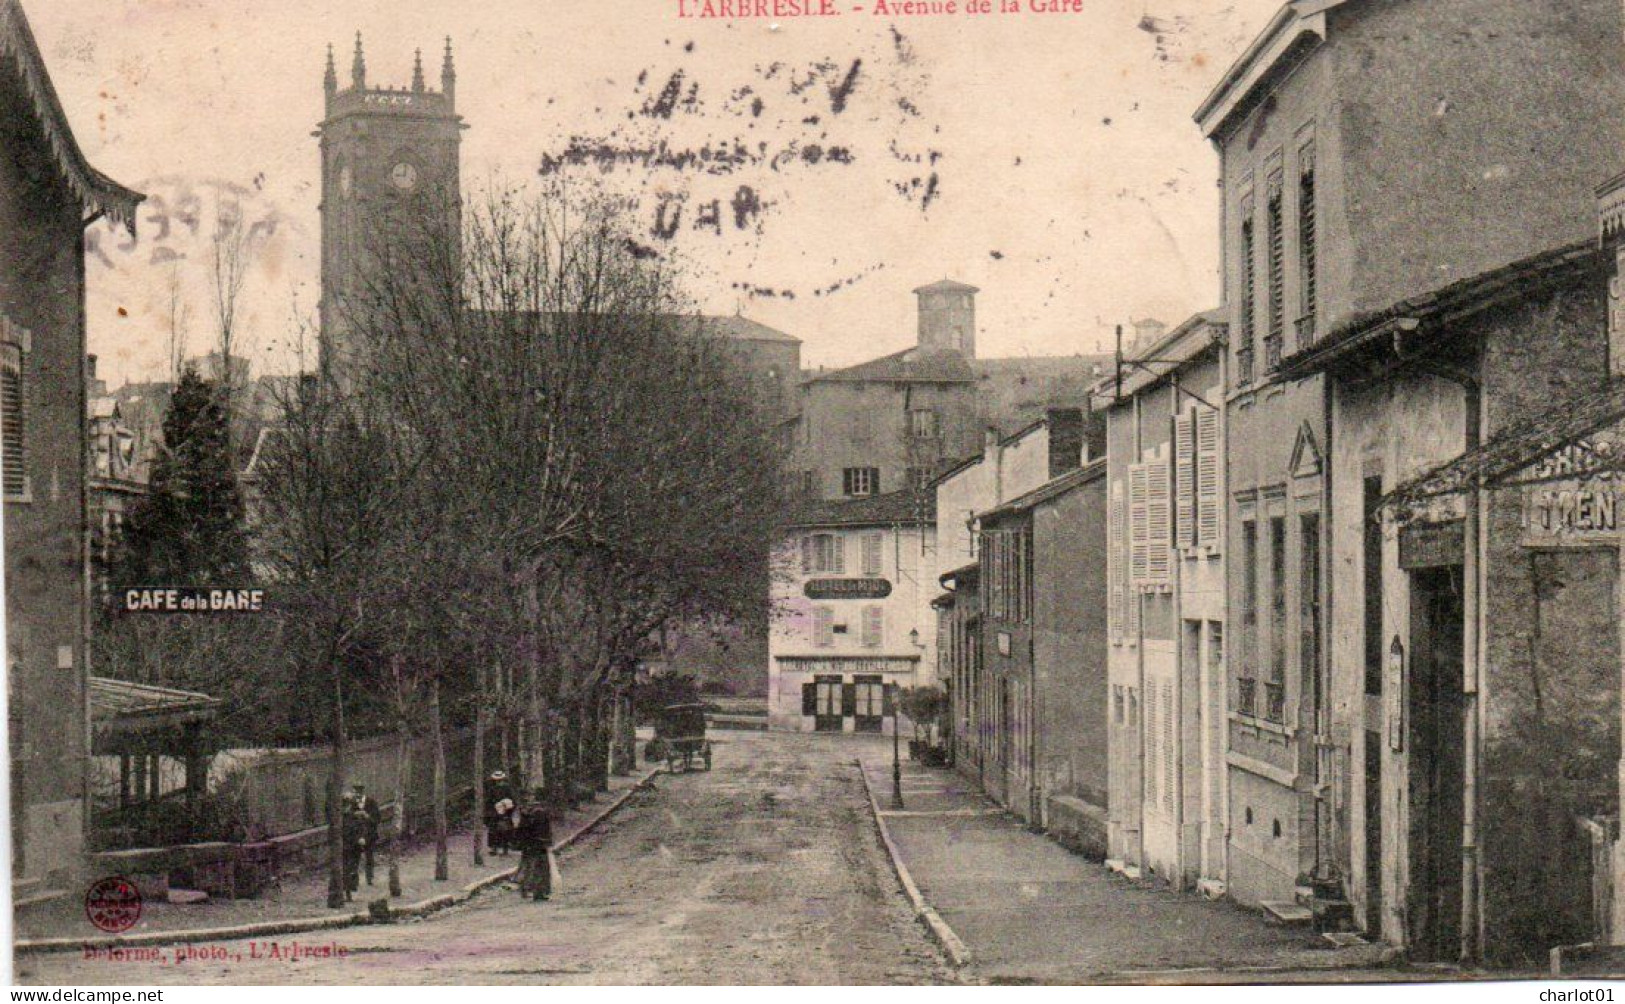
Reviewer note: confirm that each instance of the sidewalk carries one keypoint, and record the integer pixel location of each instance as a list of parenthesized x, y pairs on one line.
[(1028, 910), (304, 896)]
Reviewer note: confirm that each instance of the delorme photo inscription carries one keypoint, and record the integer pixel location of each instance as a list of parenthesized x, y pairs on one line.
[(892, 492)]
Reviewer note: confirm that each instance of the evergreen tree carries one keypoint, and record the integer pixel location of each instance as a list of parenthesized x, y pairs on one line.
[(188, 530)]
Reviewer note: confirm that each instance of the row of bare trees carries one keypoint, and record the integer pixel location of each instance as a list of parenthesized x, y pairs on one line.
[(519, 458)]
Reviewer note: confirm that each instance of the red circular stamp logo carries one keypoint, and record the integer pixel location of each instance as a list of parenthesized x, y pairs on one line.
[(113, 904)]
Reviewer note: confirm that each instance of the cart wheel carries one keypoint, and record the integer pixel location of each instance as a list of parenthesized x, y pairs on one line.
[(707, 756)]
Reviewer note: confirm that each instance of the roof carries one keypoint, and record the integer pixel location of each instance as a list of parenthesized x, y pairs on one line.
[(96, 192), (1049, 490), (744, 329), (1164, 356), (123, 705), (912, 365), (1518, 446), (947, 286), (1460, 299), (912, 507), (1273, 54), (963, 574)]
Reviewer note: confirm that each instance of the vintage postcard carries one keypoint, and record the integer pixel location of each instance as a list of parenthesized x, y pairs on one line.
[(899, 492)]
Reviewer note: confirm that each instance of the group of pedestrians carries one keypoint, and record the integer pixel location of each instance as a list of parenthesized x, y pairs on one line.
[(527, 828), (510, 825)]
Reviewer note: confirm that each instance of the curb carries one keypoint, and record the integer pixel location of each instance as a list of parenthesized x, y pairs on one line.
[(958, 954), (411, 911)]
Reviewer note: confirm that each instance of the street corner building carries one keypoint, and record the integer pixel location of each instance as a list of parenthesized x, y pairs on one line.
[(852, 617), (48, 196), (1415, 742)]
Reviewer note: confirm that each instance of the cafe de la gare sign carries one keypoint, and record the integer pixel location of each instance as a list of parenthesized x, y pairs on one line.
[(1573, 495)]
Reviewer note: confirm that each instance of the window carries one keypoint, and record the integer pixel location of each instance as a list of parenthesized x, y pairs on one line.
[(809, 483), (1248, 294), (922, 423), (1245, 695), (823, 552), (873, 551), (919, 478), (1150, 524), (1275, 688), (823, 627), (1308, 262), (858, 481), (14, 346), (1309, 601), (874, 622), (1275, 223)]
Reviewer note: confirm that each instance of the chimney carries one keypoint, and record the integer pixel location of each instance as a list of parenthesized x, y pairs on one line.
[(1065, 439), (947, 316), (993, 454), (1147, 332)]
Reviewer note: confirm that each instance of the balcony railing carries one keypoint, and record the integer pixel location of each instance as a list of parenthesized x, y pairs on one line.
[(1244, 366), (1304, 328), (1247, 696), (1275, 702)]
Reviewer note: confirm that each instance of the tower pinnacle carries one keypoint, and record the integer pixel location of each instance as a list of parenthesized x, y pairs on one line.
[(330, 82), (417, 72), (358, 67), (448, 75)]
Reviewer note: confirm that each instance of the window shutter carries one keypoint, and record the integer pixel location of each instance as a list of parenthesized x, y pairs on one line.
[(823, 627), (872, 545), (1167, 739), (806, 555), (1306, 237), (1114, 562), (1153, 747), (1207, 478), (837, 546), (1184, 480), (873, 626), (849, 700), (1277, 256), (13, 440), (809, 698), (1159, 524), (1138, 528)]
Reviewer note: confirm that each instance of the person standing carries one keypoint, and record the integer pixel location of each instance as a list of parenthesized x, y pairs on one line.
[(354, 836), (534, 835), (499, 809), (373, 817)]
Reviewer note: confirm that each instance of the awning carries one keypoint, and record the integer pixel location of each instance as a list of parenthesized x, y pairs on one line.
[(125, 715), (1521, 445)]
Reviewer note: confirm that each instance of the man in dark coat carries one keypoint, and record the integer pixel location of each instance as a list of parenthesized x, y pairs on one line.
[(499, 808), (354, 834), (367, 806), (534, 835)]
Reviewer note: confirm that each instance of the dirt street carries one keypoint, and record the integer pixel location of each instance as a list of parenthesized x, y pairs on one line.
[(766, 870)]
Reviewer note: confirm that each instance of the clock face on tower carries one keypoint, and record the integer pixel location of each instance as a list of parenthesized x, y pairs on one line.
[(404, 176)]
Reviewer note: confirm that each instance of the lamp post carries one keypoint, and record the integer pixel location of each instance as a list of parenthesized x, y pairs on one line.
[(896, 757)]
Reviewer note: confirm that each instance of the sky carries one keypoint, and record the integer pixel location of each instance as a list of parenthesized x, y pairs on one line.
[(1048, 159)]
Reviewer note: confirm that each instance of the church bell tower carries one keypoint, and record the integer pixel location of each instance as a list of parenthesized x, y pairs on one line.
[(390, 181)]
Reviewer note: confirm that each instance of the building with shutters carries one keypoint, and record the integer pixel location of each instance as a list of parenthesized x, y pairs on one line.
[(1165, 605), (1371, 154), (852, 615), (48, 195), (1036, 693)]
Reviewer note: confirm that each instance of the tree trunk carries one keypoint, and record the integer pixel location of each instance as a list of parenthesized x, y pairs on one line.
[(533, 748), (403, 775), (479, 765), (336, 891), (441, 870)]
